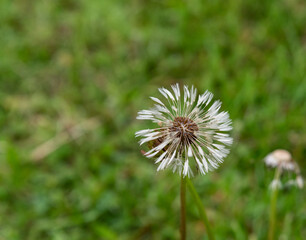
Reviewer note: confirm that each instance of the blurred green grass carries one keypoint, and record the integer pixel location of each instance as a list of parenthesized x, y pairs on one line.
[(64, 62)]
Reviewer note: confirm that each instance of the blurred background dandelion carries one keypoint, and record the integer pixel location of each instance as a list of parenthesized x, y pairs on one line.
[(73, 75)]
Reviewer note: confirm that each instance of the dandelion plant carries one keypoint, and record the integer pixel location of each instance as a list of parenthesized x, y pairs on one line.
[(191, 138), (282, 161)]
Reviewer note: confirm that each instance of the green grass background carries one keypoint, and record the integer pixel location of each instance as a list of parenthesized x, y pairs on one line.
[(63, 62)]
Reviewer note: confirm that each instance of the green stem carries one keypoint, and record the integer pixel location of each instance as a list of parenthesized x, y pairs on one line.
[(273, 205), (183, 208), (201, 209)]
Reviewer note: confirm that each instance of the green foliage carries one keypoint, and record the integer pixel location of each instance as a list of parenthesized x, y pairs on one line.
[(63, 62)]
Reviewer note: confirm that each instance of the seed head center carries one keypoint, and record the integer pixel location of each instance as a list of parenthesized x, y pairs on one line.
[(184, 128)]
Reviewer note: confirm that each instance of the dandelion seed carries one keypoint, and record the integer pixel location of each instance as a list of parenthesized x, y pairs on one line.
[(189, 127)]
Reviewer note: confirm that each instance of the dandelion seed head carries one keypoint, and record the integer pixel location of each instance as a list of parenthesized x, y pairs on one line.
[(275, 184), (191, 131), (280, 158), (299, 181)]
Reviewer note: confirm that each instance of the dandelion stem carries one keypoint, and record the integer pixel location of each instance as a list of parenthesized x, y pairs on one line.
[(273, 205), (183, 207), (201, 209)]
